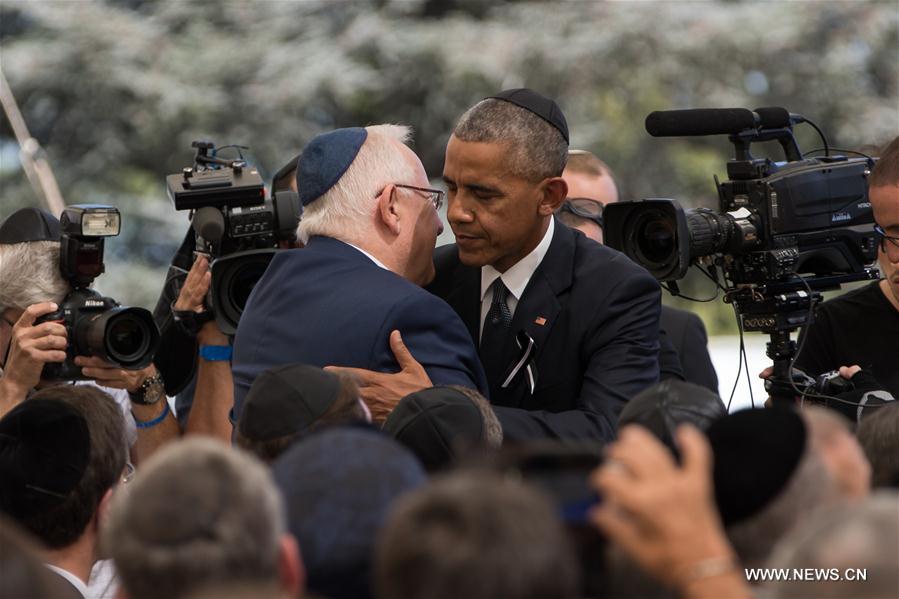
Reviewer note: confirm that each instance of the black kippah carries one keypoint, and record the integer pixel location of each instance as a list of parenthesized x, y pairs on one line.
[(287, 400), (663, 407), (435, 423), (756, 453), (44, 452), (543, 107), (29, 224)]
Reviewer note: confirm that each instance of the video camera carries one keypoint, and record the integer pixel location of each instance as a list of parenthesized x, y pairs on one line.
[(95, 325), (784, 232), (235, 224)]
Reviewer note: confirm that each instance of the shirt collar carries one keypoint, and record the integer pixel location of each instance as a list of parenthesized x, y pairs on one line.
[(73, 580), (370, 257), (517, 277)]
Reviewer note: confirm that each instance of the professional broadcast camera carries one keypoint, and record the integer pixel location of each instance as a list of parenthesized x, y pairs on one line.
[(95, 325), (235, 224), (785, 230)]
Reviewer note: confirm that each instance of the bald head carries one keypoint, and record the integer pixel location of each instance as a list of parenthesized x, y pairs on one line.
[(589, 177)]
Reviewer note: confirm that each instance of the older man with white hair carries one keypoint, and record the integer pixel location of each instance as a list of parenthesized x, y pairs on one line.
[(353, 294)]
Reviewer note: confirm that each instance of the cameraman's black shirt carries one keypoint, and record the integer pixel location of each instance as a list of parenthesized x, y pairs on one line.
[(860, 327)]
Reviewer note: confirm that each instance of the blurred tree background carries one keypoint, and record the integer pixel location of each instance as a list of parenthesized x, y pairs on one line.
[(116, 90)]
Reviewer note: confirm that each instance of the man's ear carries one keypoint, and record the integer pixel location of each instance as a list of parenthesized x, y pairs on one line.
[(291, 573), (388, 209), (555, 190)]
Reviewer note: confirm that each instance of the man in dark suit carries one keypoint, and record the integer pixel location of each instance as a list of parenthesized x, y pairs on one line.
[(591, 185), (369, 226), (567, 328)]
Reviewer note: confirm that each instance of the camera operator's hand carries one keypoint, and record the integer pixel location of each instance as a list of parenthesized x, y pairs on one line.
[(30, 347), (847, 372), (195, 287), (110, 375), (664, 515), (381, 391)]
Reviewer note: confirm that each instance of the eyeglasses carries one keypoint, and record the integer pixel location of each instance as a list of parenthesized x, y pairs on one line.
[(128, 474), (585, 208), (884, 238), (435, 196)]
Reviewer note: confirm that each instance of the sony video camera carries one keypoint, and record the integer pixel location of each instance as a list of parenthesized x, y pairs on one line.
[(784, 231), (235, 224), (95, 325)]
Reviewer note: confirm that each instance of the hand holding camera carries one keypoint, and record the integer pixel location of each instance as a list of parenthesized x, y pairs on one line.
[(31, 346), (191, 305)]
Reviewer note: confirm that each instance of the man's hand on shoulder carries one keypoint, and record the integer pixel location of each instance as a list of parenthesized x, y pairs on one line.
[(382, 391)]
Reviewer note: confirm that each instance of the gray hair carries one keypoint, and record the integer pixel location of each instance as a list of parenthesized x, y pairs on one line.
[(198, 513), (878, 435), (848, 539), (349, 204), (30, 274), (810, 488), (536, 150), (493, 430), (474, 535)]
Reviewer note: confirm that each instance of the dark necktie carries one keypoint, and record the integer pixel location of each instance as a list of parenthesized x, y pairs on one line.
[(496, 332)]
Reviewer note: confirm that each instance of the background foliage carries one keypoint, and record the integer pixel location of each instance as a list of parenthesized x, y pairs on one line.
[(115, 91)]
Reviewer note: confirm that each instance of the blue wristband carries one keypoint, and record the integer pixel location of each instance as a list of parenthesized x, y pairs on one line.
[(216, 353), (155, 421)]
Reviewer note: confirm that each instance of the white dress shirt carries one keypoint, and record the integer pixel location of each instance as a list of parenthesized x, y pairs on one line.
[(516, 278), (73, 580), (370, 257)]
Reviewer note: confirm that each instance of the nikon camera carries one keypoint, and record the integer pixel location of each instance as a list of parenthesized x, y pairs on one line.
[(96, 325)]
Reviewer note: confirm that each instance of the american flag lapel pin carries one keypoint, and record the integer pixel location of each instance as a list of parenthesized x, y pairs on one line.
[(540, 321)]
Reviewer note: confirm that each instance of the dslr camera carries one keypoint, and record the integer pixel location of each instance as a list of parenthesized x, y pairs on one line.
[(95, 325), (235, 224), (784, 231)]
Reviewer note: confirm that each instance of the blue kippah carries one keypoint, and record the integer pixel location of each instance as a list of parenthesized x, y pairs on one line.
[(325, 159)]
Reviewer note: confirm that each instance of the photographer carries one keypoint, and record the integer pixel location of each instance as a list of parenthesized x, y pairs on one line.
[(862, 326), (32, 286)]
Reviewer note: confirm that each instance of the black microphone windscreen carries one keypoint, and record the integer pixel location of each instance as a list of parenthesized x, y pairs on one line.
[(699, 121), (773, 117), (209, 223)]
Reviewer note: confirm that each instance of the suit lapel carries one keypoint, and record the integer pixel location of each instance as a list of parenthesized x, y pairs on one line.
[(539, 307)]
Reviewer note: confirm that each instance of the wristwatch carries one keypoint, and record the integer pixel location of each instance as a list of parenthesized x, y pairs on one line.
[(149, 392)]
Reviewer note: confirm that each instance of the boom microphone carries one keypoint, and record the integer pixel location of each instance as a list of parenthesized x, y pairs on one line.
[(700, 121)]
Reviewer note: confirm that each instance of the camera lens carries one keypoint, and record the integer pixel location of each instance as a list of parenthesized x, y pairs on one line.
[(233, 280), (654, 239), (127, 338), (242, 283)]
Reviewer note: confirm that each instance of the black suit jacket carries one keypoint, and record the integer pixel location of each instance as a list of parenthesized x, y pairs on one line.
[(687, 333), (594, 316)]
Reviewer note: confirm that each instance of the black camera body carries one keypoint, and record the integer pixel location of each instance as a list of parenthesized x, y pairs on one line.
[(785, 230), (776, 220), (95, 325), (235, 224)]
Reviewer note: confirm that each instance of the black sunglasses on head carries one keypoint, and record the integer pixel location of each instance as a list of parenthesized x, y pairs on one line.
[(585, 208)]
